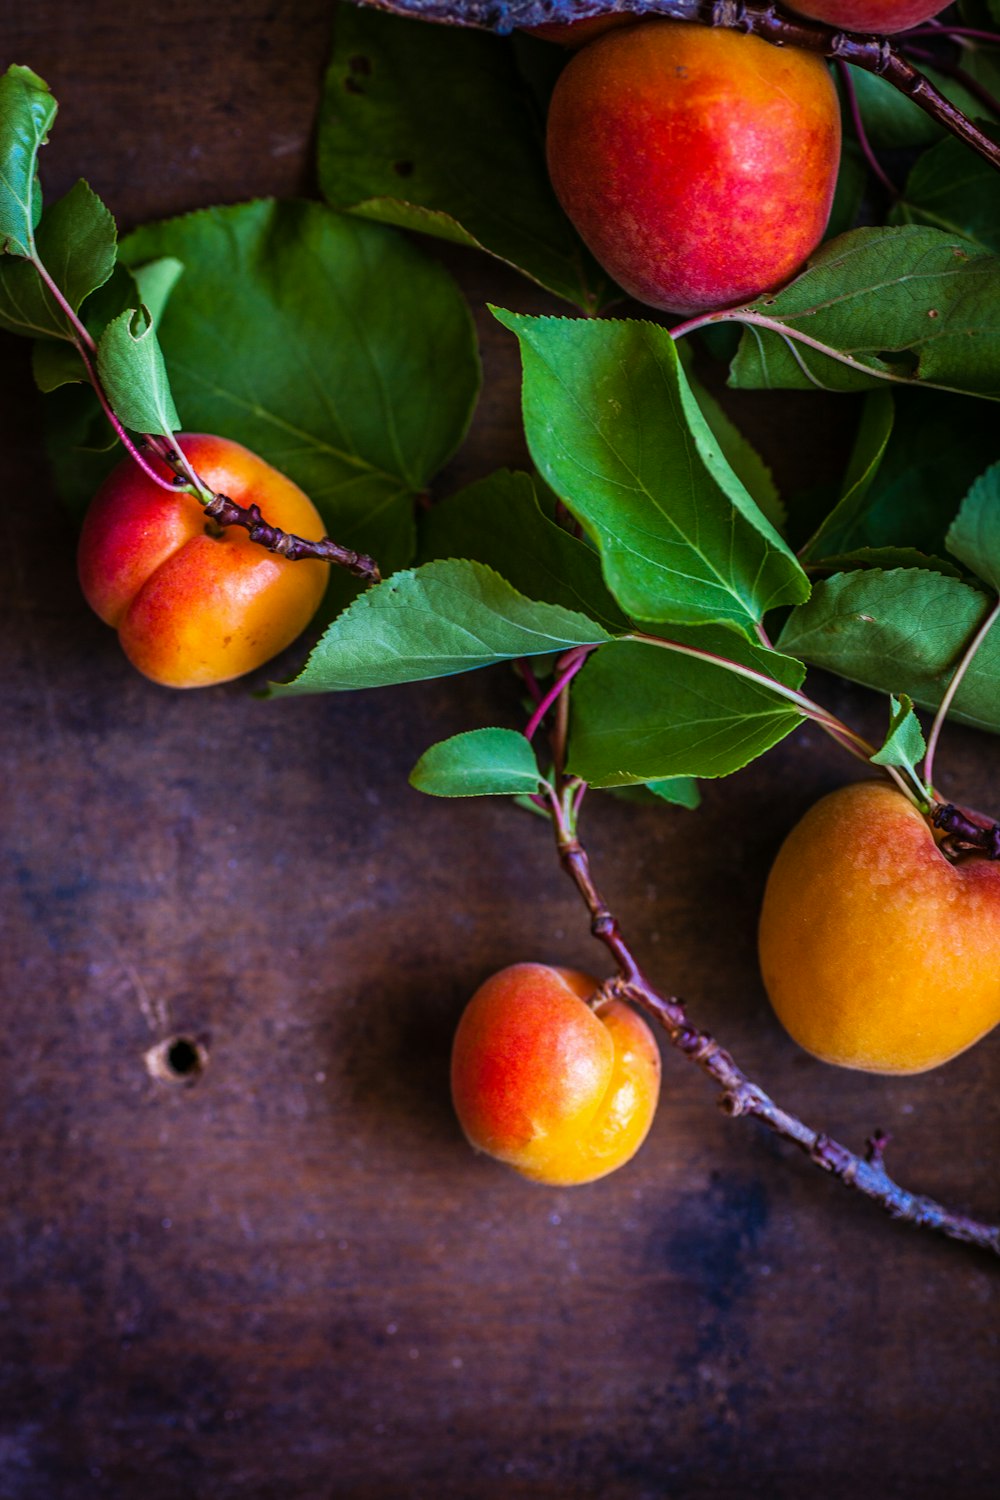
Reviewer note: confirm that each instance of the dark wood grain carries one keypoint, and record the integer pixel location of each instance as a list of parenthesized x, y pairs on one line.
[(293, 1278)]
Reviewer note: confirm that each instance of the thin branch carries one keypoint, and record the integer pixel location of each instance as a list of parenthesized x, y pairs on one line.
[(741, 1097), (870, 53), (226, 512)]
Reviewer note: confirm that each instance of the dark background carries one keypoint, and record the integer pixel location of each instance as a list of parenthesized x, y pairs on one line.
[(293, 1278)]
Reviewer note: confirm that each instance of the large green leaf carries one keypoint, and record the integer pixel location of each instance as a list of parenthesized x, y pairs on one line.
[(27, 110), (498, 521), (902, 632), (433, 621), (955, 190), (974, 536), (640, 713), (76, 241), (615, 430), (432, 128), (910, 305), (332, 347), (484, 762)]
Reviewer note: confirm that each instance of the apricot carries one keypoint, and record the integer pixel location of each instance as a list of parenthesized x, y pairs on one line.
[(561, 1092), (194, 604), (697, 164), (876, 951), (884, 17)]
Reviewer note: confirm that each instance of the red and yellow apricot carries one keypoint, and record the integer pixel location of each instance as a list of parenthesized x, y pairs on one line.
[(193, 603), (697, 164), (562, 1091), (876, 951)]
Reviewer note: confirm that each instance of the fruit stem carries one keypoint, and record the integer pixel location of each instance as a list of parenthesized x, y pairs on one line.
[(739, 1095), (964, 663)]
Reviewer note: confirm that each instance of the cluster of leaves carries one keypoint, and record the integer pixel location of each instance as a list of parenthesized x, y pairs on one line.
[(650, 536)]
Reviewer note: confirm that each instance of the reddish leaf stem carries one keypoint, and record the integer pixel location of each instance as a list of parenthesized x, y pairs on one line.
[(854, 109)]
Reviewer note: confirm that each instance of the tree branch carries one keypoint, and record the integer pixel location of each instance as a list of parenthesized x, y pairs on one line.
[(870, 53), (865, 1174), (226, 512)]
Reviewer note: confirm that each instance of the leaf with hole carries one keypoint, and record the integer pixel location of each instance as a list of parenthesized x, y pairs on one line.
[(130, 364), (484, 762)]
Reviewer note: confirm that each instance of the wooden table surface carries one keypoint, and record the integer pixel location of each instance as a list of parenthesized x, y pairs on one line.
[(294, 1279)]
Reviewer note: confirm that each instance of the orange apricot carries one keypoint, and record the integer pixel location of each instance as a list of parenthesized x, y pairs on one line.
[(194, 604), (876, 951), (697, 164), (561, 1091)]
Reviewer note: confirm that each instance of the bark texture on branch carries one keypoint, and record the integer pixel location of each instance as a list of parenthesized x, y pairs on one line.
[(872, 54), (226, 512)]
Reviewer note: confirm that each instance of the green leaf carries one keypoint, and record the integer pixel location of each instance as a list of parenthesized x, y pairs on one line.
[(939, 444), (741, 456), (80, 443), (837, 531), (955, 190), (641, 713), (434, 130), (484, 762), (331, 347), (892, 120), (27, 110), (974, 537), (888, 558), (902, 632), (904, 743), (499, 522), (682, 791), (77, 244), (433, 621), (130, 364), (53, 365), (910, 305), (614, 429)]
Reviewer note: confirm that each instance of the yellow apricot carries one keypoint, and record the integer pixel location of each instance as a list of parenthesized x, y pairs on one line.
[(876, 951)]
